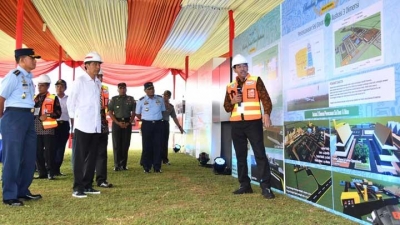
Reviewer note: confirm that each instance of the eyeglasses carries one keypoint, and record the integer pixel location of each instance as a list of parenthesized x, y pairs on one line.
[(150, 88), (122, 87)]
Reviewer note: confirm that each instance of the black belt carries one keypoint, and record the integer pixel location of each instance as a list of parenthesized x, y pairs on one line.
[(20, 109), (62, 121), (128, 119), (152, 121)]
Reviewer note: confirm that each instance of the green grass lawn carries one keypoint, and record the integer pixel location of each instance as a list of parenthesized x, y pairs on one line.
[(184, 193)]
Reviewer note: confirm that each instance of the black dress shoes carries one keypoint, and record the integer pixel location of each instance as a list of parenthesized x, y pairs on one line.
[(13, 202), (30, 197), (267, 193), (243, 190)]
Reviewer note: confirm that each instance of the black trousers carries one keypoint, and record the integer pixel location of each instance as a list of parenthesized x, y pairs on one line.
[(61, 137), (250, 130), (151, 142), (121, 140), (86, 146), (164, 141), (45, 155), (101, 160)]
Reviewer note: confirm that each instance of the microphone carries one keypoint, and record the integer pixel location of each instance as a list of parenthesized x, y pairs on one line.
[(239, 90)]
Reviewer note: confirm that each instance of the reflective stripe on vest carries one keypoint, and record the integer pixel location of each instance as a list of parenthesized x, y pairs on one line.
[(48, 107), (105, 96), (250, 100)]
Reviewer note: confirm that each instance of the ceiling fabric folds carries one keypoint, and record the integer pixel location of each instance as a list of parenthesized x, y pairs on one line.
[(157, 34), (130, 74), (33, 36), (149, 23), (85, 26), (245, 14), (41, 67), (7, 47), (195, 23)]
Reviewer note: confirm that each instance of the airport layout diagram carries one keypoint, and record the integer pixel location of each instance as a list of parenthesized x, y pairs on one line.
[(358, 40), (306, 57)]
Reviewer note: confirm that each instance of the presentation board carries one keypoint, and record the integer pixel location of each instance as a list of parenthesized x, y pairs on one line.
[(332, 69)]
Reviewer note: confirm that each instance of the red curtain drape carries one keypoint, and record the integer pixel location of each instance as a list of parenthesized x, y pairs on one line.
[(41, 68), (133, 76), (149, 24)]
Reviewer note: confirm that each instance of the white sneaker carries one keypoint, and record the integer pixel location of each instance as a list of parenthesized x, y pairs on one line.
[(78, 194)]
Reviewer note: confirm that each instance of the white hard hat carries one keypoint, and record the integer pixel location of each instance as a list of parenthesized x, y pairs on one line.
[(93, 57), (44, 78), (238, 59)]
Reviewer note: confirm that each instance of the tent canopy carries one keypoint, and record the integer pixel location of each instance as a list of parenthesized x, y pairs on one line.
[(146, 33)]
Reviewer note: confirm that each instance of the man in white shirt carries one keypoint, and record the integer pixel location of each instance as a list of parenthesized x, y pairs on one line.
[(62, 131), (84, 105)]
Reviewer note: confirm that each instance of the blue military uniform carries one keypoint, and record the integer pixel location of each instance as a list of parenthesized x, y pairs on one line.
[(18, 132), (151, 110)]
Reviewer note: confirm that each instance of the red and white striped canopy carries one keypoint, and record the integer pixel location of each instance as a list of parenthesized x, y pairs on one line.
[(151, 33)]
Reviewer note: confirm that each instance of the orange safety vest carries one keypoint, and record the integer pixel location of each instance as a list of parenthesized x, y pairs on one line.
[(105, 95), (250, 100), (48, 107)]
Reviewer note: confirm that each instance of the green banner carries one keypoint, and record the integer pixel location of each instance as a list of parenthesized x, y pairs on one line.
[(335, 112)]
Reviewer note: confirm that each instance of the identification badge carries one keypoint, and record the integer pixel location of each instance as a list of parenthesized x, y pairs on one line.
[(251, 93), (36, 113), (240, 109)]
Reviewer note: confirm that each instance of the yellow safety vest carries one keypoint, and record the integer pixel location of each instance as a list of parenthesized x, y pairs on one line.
[(105, 95), (48, 107), (250, 100)]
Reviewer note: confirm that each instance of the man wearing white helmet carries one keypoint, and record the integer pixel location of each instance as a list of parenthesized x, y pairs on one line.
[(242, 100), (84, 106), (47, 111)]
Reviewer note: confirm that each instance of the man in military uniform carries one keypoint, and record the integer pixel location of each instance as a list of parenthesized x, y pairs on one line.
[(47, 111), (18, 129), (149, 109), (169, 112), (102, 156), (122, 112)]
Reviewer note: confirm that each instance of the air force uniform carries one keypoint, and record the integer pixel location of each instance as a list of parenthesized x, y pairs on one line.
[(18, 132), (150, 109)]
